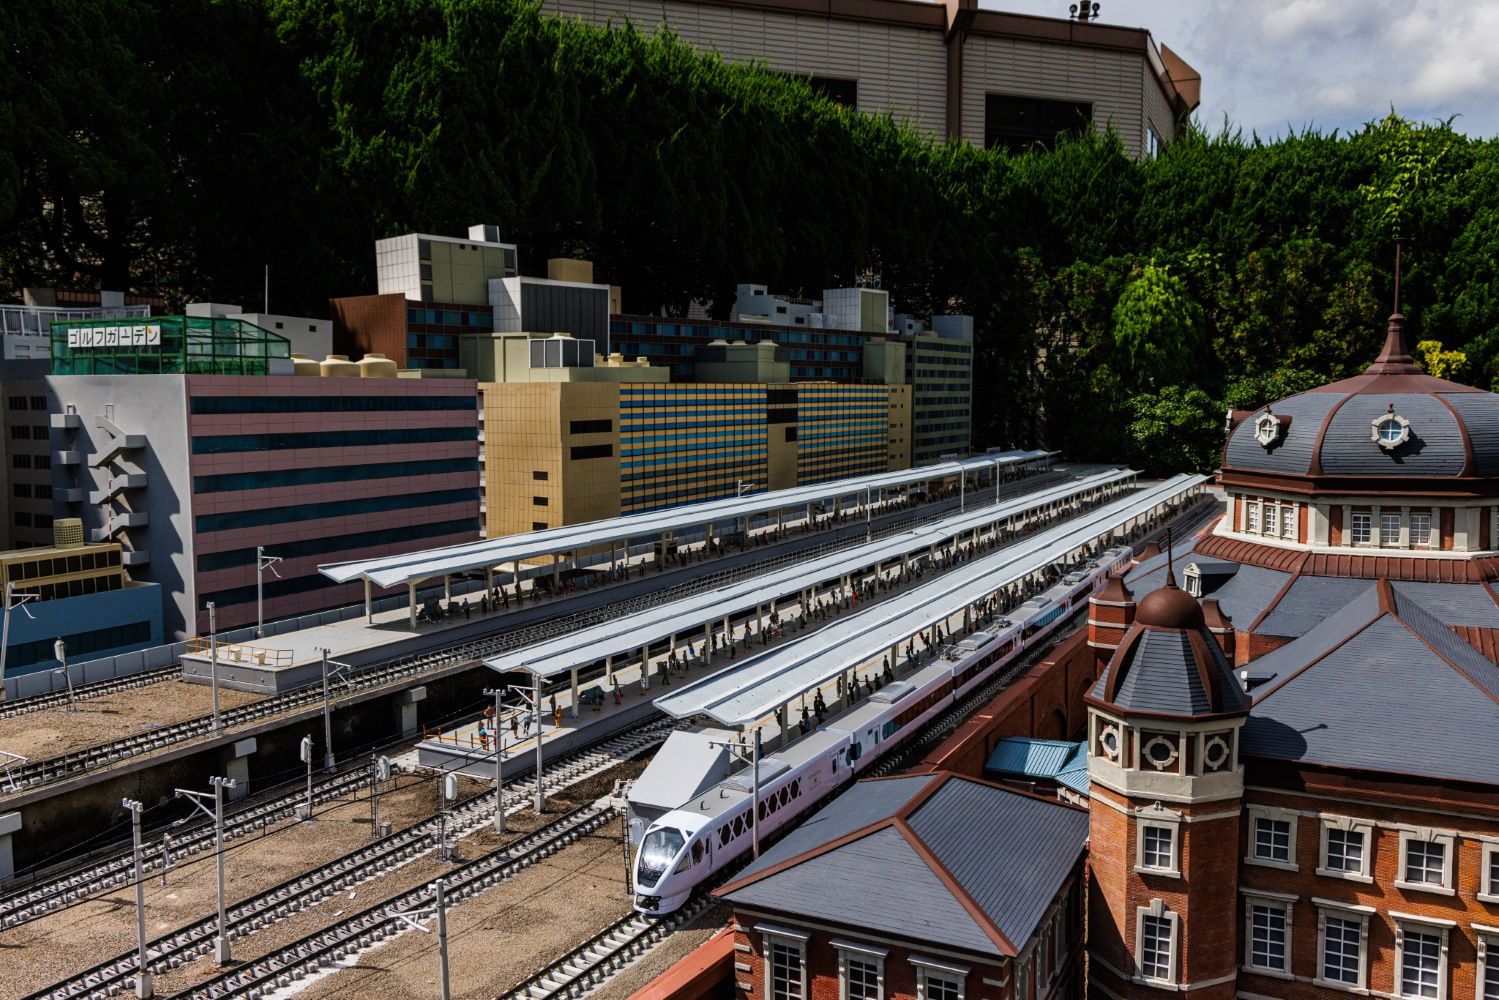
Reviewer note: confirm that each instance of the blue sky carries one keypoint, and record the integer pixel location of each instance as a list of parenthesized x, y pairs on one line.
[(1274, 65)]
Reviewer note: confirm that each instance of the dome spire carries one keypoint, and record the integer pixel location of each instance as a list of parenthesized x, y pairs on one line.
[(1396, 357)]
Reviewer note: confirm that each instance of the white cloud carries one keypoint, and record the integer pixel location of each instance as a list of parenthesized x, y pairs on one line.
[(1270, 65)]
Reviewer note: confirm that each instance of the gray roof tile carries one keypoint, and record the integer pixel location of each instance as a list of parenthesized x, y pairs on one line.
[(966, 824), (1294, 453), (1383, 702), (1009, 852), (1435, 447), (1480, 413), (1310, 601), (1454, 603), (859, 806), (878, 883)]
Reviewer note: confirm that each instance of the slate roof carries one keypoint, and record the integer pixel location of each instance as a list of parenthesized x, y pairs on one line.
[(1327, 431), (1306, 603), (957, 862), (1454, 603), (1382, 685), (1171, 672)]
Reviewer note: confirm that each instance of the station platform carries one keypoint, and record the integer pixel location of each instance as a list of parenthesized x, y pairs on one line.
[(596, 717)]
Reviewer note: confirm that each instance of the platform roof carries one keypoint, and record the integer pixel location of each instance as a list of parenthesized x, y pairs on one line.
[(414, 567), (623, 635), (742, 695)]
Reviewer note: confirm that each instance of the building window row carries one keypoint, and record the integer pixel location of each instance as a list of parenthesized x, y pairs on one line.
[(1346, 848), (1393, 529), (1272, 519)]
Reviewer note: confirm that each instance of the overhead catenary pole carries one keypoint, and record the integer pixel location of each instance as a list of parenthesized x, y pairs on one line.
[(264, 562), (442, 941), (499, 760), (221, 941), (213, 665), (536, 713), (328, 762), (755, 795), (143, 985)]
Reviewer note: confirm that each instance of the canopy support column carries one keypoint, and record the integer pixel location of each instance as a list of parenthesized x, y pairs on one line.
[(411, 596), (369, 603), (447, 587), (645, 667), (575, 691), (609, 670)]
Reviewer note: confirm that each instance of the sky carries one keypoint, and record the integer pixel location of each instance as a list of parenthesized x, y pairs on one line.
[(1272, 66)]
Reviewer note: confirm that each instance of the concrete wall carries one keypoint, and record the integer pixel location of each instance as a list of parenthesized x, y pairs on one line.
[(69, 616), (899, 69), (1114, 82), (1046, 702), (154, 405)]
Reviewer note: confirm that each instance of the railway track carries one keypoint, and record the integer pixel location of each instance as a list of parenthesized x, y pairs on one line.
[(606, 953), (246, 917), (41, 897), (82, 692), (375, 925), (590, 965), (380, 674)]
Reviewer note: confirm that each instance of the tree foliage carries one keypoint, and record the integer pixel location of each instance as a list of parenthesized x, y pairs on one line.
[(182, 146)]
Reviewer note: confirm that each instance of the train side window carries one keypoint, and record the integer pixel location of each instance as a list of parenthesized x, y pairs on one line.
[(723, 836), (697, 851)]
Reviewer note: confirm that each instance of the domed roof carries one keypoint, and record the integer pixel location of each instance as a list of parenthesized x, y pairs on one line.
[(1168, 664), (1393, 421), (1170, 607)]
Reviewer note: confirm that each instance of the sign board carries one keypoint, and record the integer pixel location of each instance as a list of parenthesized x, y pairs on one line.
[(136, 335)]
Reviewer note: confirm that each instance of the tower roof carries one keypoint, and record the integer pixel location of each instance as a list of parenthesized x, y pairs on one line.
[(1169, 664)]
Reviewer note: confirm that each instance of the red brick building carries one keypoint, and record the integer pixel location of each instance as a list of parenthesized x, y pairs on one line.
[(1292, 759), (1352, 582), (900, 888)]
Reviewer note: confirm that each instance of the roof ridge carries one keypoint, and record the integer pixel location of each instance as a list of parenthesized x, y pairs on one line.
[(1275, 686), (745, 881), (1418, 630), (946, 877)]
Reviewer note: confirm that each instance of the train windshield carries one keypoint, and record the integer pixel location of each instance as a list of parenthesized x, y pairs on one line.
[(656, 854)]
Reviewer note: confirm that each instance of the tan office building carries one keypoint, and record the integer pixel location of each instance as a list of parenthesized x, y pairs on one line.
[(950, 69), (567, 443)]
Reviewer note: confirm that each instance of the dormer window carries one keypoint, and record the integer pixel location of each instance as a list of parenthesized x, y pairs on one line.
[(1391, 430), (1267, 429)]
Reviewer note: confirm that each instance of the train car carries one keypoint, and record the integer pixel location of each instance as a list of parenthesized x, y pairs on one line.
[(684, 847)]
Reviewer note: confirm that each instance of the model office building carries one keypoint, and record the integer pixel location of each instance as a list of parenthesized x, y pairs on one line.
[(588, 412)]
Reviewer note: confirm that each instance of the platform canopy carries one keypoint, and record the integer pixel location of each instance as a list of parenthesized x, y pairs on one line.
[(579, 648), (743, 695), (414, 567)]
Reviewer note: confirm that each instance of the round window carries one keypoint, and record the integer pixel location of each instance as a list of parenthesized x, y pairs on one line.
[(1215, 754), (1109, 740)]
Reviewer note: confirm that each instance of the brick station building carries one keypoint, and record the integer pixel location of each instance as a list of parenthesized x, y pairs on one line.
[(1293, 752)]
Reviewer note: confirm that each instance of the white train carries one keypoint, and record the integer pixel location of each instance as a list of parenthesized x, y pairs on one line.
[(685, 846)]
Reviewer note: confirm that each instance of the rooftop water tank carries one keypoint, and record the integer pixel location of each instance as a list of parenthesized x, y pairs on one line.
[(376, 366), (339, 366), (301, 364)]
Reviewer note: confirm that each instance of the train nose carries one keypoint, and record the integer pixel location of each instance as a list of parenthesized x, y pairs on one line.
[(650, 903)]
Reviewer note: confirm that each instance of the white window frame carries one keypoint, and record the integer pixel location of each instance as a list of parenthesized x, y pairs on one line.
[(1448, 840), (1486, 939), (1158, 910), (771, 936), (1430, 529), (1252, 517), (1270, 813), (1172, 827), (1352, 913), (1290, 521), (858, 951), (1423, 925), (1286, 904), (1488, 886), (938, 969), (1353, 520), (1346, 824)]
